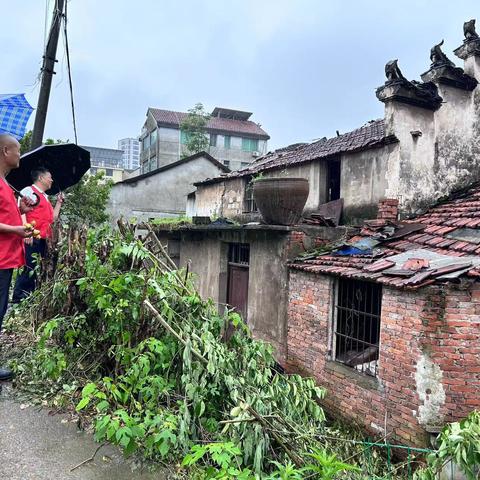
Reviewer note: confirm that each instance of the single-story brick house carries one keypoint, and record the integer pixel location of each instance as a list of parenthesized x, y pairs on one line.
[(390, 323)]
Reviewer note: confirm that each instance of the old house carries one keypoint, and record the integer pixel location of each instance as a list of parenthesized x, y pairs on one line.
[(427, 144), (386, 316), (234, 139), (390, 322), (162, 192)]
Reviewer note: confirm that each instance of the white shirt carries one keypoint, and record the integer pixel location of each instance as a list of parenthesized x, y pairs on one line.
[(29, 193)]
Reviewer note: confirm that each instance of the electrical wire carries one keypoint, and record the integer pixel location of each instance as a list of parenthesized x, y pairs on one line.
[(67, 50)]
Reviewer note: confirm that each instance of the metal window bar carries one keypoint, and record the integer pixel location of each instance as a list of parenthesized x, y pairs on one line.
[(239, 254), (357, 325), (250, 204)]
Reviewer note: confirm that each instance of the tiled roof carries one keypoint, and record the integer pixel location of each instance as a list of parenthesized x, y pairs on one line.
[(447, 247), (247, 127), (370, 135)]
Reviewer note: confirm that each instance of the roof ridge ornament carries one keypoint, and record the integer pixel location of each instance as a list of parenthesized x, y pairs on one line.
[(398, 88), (471, 42), (444, 71)]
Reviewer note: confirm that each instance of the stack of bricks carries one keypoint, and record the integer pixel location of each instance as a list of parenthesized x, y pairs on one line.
[(388, 209)]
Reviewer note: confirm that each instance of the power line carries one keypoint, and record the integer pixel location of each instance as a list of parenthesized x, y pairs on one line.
[(67, 50)]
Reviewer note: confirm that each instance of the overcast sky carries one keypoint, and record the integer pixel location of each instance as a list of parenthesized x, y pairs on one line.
[(305, 68)]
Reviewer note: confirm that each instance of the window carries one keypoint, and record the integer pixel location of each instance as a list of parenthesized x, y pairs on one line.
[(226, 163), (226, 141), (213, 139), (108, 172), (183, 137), (250, 205), (239, 254), (153, 138), (146, 143), (249, 144), (356, 325), (153, 163)]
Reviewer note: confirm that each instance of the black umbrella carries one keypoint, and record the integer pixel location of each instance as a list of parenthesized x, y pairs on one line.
[(66, 162)]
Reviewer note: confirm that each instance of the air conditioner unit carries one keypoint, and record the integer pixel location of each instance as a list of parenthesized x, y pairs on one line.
[(255, 154)]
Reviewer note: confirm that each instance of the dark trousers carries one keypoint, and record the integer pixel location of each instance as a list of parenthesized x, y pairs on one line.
[(5, 279), (26, 280)]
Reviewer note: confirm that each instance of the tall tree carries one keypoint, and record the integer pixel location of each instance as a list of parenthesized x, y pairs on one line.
[(193, 131), (86, 202)]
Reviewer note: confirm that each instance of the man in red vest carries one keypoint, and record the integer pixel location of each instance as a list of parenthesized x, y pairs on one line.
[(43, 215), (12, 231)]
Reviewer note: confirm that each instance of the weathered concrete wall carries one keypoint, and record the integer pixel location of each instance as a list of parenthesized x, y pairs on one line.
[(315, 173), (447, 154), (161, 194), (429, 370), (206, 253), (168, 146), (363, 182), (221, 199)]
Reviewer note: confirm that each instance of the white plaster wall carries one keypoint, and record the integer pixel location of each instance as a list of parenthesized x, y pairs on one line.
[(159, 195), (447, 154)]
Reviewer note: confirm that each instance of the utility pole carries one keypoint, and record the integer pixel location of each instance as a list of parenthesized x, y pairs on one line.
[(47, 75)]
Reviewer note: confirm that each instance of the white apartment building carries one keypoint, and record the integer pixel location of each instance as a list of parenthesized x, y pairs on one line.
[(131, 153)]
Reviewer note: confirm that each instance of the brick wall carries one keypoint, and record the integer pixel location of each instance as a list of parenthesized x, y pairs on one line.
[(388, 209), (429, 367)]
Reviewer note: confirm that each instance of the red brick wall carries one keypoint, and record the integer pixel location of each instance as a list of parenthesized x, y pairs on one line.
[(431, 330), (388, 209)]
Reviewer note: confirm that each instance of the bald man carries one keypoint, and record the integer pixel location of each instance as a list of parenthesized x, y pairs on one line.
[(12, 231)]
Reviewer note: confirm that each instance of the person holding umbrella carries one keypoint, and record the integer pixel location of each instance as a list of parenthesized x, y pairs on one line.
[(12, 230), (42, 217)]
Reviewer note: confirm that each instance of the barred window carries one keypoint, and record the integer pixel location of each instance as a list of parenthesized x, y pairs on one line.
[(356, 325), (250, 205)]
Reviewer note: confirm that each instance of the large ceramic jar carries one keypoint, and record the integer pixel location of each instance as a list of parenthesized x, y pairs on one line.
[(281, 200)]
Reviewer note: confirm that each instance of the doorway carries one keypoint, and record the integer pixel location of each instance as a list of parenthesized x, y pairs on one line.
[(333, 180), (237, 285)]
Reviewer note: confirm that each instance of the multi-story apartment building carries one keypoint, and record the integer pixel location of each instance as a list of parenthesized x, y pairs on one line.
[(108, 160), (234, 140), (131, 153)]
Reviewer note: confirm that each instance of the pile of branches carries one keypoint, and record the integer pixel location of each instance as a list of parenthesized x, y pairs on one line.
[(117, 332)]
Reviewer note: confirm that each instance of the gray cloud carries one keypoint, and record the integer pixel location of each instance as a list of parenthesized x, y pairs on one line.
[(304, 67)]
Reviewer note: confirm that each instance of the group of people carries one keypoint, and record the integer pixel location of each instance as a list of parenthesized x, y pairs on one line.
[(18, 247)]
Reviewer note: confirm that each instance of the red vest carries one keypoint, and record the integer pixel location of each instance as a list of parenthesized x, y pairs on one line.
[(12, 248), (42, 214)]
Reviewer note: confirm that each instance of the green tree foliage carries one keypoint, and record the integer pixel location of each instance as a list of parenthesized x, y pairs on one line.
[(26, 141), (459, 443), (193, 127), (86, 202)]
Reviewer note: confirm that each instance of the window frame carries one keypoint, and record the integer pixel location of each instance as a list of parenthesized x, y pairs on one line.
[(249, 144), (369, 367), (227, 142), (249, 204)]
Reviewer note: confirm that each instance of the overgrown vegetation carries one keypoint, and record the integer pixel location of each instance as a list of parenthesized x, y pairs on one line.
[(172, 221), (119, 334), (459, 444), (86, 202)]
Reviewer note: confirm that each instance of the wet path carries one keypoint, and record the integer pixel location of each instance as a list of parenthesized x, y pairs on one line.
[(37, 446)]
